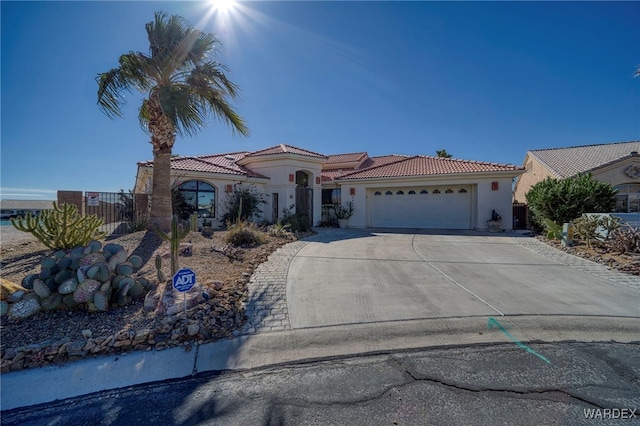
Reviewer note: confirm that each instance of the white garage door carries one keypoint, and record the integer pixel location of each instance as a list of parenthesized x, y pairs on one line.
[(438, 207)]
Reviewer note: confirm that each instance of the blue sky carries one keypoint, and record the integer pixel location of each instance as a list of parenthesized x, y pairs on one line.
[(485, 81)]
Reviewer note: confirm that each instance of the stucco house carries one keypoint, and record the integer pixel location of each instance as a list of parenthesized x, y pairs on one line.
[(614, 163), (387, 191)]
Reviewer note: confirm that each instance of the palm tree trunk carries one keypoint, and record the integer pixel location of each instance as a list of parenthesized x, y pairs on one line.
[(161, 210), (163, 136)]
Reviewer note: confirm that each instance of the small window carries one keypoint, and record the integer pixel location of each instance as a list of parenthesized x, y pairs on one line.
[(424, 191), (388, 193), (411, 192), (377, 193), (436, 191), (400, 193), (462, 191), (449, 191)]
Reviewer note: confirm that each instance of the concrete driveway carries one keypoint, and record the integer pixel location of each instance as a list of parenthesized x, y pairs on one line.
[(368, 276)]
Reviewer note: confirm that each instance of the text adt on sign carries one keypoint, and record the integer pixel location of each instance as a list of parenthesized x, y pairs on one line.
[(184, 279)]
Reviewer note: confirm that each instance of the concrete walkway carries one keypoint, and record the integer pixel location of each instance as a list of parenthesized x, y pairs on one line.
[(272, 336)]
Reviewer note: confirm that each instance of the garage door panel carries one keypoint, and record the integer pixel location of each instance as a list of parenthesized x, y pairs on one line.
[(432, 210)]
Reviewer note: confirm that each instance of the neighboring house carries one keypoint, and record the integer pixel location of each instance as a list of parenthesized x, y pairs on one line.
[(15, 208), (614, 163), (389, 191)]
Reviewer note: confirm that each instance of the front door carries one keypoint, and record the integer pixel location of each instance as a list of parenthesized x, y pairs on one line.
[(304, 196), (274, 207)]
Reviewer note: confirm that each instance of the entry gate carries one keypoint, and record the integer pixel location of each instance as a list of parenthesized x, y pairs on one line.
[(118, 210)]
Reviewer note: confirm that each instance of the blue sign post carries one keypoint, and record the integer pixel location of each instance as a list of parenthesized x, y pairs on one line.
[(183, 280)]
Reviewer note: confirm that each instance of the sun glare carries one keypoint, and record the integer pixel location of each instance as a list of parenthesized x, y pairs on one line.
[(223, 5)]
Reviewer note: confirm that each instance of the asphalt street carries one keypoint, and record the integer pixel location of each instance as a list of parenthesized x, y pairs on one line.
[(583, 384)]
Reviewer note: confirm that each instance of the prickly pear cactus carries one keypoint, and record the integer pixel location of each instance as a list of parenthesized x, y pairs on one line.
[(91, 277), (86, 289), (52, 302), (135, 261), (27, 282), (68, 286), (24, 308), (101, 301), (41, 288)]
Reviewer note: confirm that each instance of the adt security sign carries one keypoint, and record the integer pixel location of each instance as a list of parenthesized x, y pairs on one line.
[(184, 279)]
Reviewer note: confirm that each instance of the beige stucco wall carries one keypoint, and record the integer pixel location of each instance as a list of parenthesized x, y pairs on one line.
[(535, 172), (614, 173), (278, 168)]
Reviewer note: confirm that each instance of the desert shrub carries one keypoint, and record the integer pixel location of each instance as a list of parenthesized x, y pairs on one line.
[(243, 233), (609, 224), (566, 199), (61, 227), (586, 228), (299, 222), (243, 203), (625, 239), (279, 230)]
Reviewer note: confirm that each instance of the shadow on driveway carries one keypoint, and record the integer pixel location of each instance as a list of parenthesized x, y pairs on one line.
[(328, 235)]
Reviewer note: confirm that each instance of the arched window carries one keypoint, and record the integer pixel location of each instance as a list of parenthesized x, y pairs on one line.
[(411, 192), (436, 191), (388, 193), (400, 193), (377, 193), (195, 196), (449, 191), (462, 191), (424, 191)]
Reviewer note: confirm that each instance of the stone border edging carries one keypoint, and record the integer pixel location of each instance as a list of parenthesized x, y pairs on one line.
[(579, 263)]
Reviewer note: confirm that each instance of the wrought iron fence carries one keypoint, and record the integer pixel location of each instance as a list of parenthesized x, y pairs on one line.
[(520, 216), (119, 211)]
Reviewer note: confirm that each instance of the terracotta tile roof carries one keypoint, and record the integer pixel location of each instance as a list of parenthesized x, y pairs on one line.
[(383, 159), (355, 157), (566, 162), (423, 165), (285, 149), (332, 174), (217, 163)]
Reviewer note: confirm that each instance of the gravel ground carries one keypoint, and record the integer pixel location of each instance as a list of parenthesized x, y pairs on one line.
[(21, 254), (10, 236)]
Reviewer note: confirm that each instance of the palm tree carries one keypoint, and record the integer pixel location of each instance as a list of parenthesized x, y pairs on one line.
[(183, 87), (442, 153)]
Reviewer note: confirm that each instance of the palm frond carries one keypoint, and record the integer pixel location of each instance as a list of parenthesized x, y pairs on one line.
[(111, 84), (178, 77), (143, 116)]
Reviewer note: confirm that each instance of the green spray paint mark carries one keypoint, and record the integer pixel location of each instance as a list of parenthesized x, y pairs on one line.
[(494, 322)]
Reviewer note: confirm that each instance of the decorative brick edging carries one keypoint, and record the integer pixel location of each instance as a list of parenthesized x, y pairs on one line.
[(266, 305), (588, 266)]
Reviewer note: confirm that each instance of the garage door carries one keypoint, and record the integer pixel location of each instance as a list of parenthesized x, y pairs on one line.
[(438, 207)]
